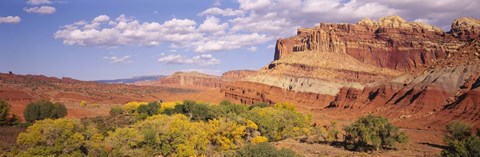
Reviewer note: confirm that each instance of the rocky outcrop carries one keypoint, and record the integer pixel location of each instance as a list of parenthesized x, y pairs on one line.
[(390, 43), (235, 75), (188, 79), (415, 74), (466, 28)]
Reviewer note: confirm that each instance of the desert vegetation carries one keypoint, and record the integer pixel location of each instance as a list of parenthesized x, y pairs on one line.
[(44, 109), (190, 128), (460, 141)]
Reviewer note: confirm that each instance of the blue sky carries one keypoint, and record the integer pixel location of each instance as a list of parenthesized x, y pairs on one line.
[(108, 39)]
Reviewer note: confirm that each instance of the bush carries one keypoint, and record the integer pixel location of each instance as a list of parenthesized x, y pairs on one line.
[(280, 122), (326, 134), (460, 141), (4, 112), (52, 138), (44, 109), (116, 110), (149, 109), (263, 150), (173, 135), (373, 133), (195, 111), (260, 104), (226, 107)]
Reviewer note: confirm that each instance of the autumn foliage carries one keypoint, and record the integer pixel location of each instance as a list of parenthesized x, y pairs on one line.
[(177, 129)]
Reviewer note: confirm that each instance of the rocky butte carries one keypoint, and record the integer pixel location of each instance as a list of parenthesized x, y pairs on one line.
[(416, 74)]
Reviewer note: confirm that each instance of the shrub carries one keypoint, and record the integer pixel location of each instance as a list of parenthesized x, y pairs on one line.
[(260, 104), (4, 112), (44, 109), (174, 135), (227, 107), (195, 111), (460, 141), (48, 137), (259, 139), (373, 132), (263, 150), (279, 123), (149, 109), (327, 134), (116, 110)]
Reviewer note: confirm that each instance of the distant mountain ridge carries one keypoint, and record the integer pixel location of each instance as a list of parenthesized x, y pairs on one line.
[(131, 80)]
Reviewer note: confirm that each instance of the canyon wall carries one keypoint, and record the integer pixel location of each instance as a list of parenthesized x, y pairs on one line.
[(415, 74)]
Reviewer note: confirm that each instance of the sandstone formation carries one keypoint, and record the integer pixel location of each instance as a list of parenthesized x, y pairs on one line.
[(187, 79), (417, 75), (237, 74)]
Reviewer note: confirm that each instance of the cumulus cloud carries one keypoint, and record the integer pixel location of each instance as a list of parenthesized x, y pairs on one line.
[(212, 25), (209, 36), (223, 12), (230, 42), (255, 22), (115, 59), (41, 10), (271, 16), (38, 2), (203, 60), (102, 31), (10, 19)]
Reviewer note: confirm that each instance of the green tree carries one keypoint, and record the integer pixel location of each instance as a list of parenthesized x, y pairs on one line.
[(195, 111), (146, 110), (4, 112), (61, 137), (460, 141), (263, 150), (373, 132), (227, 107), (260, 104), (44, 109)]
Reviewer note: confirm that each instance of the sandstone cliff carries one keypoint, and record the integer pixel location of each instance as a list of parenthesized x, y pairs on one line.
[(188, 79), (416, 74)]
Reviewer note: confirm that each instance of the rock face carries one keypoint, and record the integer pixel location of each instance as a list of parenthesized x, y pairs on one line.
[(389, 43), (190, 79), (237, 74), (417, 75)]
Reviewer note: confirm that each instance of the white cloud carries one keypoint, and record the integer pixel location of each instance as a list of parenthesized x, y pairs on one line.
[(223, 12), (127, 31), (38, 2), (230, 42), (254, 4), (101, 18), (212, 25), (209, 36), (10, 19), (41, 10), (252, 49), (255, 22), (115, 59), (203, 60)]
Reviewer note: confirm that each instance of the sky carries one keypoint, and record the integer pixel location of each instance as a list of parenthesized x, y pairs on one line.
[(111, 39)]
